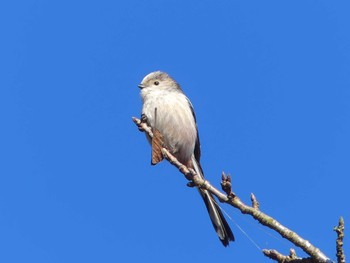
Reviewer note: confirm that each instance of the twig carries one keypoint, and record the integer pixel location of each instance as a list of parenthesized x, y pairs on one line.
[(291, 258), (339, 242), (230, 198), (255, 203)]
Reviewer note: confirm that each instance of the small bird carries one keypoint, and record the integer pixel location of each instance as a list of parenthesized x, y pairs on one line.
[(167, 110)]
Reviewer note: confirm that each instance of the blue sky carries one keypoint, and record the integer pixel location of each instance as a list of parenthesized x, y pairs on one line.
[(270, 84)]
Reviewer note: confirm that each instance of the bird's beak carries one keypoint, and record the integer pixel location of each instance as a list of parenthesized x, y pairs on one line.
[(141, 86)]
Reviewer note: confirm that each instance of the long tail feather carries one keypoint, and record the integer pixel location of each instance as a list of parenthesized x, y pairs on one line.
[(218, 220)]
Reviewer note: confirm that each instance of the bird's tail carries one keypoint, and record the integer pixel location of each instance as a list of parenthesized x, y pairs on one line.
[(218, 220)]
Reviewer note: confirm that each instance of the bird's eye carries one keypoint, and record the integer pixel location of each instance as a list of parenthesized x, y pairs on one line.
[(156, 83)]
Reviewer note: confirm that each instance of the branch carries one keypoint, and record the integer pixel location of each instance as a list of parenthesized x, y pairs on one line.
[(339, 243), (291, 258), (230, 198)]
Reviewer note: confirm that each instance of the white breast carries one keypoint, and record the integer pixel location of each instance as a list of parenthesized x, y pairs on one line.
[(174, 119)]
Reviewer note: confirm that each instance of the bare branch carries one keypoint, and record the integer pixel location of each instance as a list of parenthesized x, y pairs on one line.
[(339, 242), (292, 258), (272, 223), (230, 198)]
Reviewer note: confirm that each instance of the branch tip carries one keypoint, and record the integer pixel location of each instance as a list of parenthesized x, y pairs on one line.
[(255, 203), (339, 241), (226, 184), (292, 253)]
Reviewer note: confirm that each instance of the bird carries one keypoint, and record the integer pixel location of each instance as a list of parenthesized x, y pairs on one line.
[(167, 110)]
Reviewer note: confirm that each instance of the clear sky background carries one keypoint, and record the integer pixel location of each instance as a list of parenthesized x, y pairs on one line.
[(270, 84)]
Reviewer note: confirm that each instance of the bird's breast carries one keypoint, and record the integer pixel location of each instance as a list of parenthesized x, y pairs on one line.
[(171, 114)]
